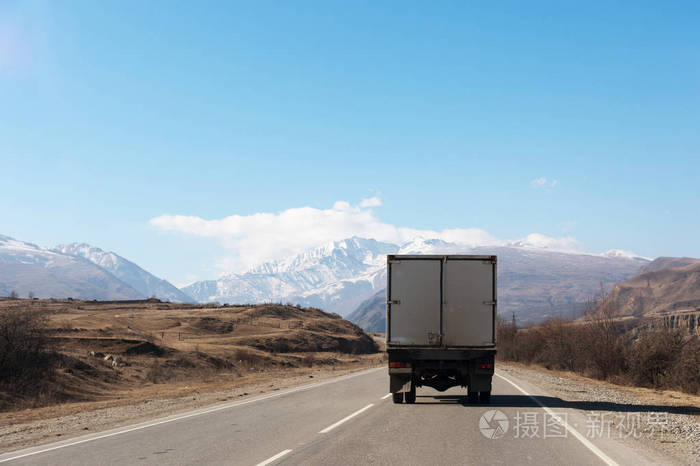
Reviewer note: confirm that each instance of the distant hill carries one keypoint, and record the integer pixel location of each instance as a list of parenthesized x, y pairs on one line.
[(110, 358), (668, 284), (370, 315), (668, 262)]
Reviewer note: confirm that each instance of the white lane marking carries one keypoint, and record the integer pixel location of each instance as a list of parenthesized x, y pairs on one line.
[(188, 415), (597, 451), (274, 458), (333, 426), (386, 396)]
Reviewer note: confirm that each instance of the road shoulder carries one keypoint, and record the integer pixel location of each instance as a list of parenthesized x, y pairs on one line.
[(662, 424), (38, 427)]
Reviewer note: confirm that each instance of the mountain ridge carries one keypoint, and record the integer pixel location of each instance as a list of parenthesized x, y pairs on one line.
[(26, 268), (666, 285), (341, 275), (127, 271), (335, 276), (77, 271)]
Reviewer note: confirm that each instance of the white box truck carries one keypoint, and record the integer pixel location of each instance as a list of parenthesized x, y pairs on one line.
[(441, 324)]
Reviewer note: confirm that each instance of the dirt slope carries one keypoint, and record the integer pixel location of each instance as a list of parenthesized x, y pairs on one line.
[(111, 350)]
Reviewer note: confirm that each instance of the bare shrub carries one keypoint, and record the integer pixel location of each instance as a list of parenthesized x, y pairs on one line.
[(604, 348), (560, 341), (604, 345), (506, 332), (652, 355), (309, 359), (686, 372), (159, 373), (246, 359), (26, 353)]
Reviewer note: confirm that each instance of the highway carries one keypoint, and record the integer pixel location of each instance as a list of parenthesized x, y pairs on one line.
[(351, 420)]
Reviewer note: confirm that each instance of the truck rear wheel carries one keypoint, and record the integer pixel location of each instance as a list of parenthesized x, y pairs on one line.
[(410, 396), (397, 397), (472, 396), (485, 397)]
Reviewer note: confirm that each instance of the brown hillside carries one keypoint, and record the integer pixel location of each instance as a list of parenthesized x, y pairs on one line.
[(666, 285), (109, 350), (667, 262)]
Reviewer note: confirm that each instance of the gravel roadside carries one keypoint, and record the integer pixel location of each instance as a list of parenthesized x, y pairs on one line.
[(45, 425), (667, 422)]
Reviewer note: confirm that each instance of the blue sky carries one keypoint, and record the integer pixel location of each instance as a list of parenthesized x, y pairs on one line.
[(113, 114)]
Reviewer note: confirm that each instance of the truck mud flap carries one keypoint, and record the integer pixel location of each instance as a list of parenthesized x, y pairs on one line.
[(480, 383), (399, 383)]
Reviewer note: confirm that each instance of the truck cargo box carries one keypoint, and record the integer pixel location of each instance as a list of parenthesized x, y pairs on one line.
[(441, 301)]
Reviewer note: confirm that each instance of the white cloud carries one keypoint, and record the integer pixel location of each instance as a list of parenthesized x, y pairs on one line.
[(538, 240), (252, 239), (371, 202), (543, 182)]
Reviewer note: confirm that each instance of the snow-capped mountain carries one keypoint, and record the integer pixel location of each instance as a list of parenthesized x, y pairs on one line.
[(27, 268), (144, 282), (77, 271), (339, 277), (336, 277), (533, 283), (626, 254)]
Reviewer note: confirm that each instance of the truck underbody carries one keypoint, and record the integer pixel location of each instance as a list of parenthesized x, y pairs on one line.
[(440, 369)]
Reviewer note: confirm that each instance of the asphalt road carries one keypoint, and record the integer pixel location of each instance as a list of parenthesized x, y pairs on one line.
[(350, 420)]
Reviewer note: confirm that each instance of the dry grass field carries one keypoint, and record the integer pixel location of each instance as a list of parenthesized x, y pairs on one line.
[(114, 352)]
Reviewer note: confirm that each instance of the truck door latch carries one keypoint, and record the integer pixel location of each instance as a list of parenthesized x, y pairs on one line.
[(434, 338), (396, 301), (490, 303)]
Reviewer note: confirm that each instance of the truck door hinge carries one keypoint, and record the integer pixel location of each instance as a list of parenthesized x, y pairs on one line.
[(396, 301), (490, 303)]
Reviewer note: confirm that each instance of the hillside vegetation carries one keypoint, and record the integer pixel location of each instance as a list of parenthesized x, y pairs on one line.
[(63, 350), (646, 332)]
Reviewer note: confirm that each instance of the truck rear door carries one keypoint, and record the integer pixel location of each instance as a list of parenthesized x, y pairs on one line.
[(469, 302), (414, 295)]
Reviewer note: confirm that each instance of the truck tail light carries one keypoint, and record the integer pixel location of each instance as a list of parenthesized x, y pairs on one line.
[(398, 364), (485, 366)]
